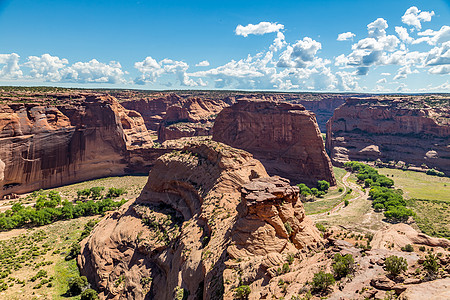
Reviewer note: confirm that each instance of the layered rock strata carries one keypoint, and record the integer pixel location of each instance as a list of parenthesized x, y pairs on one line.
[(284, 137), (42, 145), (173, 240), (413, 130)]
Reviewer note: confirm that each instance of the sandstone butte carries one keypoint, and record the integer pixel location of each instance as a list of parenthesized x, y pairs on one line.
[(284, 137), (415, 130), (189, 117), (44, 145), (208, 219)]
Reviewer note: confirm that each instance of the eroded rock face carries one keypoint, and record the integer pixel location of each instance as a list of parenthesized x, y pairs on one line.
[(189, 117), (413, 130), (43, 146), (284, 137), (178, 231)]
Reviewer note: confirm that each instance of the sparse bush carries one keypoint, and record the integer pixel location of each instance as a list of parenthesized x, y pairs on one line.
[(89, 294), (322, 281), (288, 228), (242, 292), (321, 227), (75, 249), (96, 192), (77, 285), (285, 269), (422, 248), (408, 248), (395, 265), (431, 264), (114, 193), (342, 265), (346, 203), (340, 189)]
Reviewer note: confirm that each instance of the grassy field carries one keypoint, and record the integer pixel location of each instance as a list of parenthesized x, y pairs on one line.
[(26, 251), (419, 185), (43, 249), (331, 199), (428, 196)]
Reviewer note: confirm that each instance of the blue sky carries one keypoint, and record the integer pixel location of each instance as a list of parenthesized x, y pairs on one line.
[(339, 46)]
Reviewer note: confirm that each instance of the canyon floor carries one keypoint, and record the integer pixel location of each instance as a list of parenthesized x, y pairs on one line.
[(427, 196)]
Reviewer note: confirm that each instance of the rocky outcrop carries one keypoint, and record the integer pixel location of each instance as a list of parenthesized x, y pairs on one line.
[(415, 130), (284, 137), (189, 117), (173, 240), (42, 145)]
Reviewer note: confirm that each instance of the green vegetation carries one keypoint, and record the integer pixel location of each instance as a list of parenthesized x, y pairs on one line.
[(431, 264), (384, 197), (395, 265), (47, 211), (322, 281), (242, 292), (77, 285), (89, 294), (432, 216), (114, 193), (408, 248), (342, 265), (433, 172)]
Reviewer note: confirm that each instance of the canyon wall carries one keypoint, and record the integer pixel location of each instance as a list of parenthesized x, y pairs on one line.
[(415, 130), (44, 145), (284, 137)]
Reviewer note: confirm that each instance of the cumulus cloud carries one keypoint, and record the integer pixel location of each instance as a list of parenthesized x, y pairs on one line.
[(403, 34), (203, 63), (11, 68), (382, 80), (433, 37), (151, 69), (301, 54), (94, 72), (46, 67), (279, 42), (403, 72), (258, 29), (377, 28), (345, 36), (413, 17)]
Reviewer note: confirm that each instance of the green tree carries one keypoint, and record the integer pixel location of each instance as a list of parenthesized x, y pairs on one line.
[(89, 294), (322, 281), (431, 264), (323, 185), (242, 292), (395, 265), (342, 265), (77, 285)]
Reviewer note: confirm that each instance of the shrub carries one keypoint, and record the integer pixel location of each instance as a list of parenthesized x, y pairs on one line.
[(89, 294), (77, 285), (378, 207), (395, 265), (322, 281), (341, 190), (422, 248), (408, 248), (368, 182), (96, 192), (321, 227), (342, 265), (285, 269), (315, 191), (346, 203), (430, 264), (288, 228), (304, 190), (75, 249), (114, 193), (323, 185), (242, 292), (181, 293), (398, 214)]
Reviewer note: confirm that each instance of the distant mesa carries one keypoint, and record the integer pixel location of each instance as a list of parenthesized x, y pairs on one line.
[(284, 137), (415, 130)]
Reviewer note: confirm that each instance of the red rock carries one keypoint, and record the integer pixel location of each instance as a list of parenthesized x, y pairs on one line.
[(284, 137)]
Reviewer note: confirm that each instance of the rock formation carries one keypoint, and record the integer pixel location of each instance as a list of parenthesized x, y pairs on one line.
[(42, 145), (284, 137), (189, 117), (415, 130), (173, 240)]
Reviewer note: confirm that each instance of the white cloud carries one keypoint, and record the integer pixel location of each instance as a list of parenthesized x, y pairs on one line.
[(345, 36), (46, 67), (413, 17), (93, 72), (258, 29), (203, 63), (445, 87), (385, 74), (278, 43), (11, 68), (382, 80), (377, 28), (433, 37), (403, 72), (403, 34), (300, 55), (439, 55), (441, 70)]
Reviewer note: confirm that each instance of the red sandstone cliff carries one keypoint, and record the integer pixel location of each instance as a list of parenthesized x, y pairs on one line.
[(189, 117), (42, 145), (415, 130), (284, 137)]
